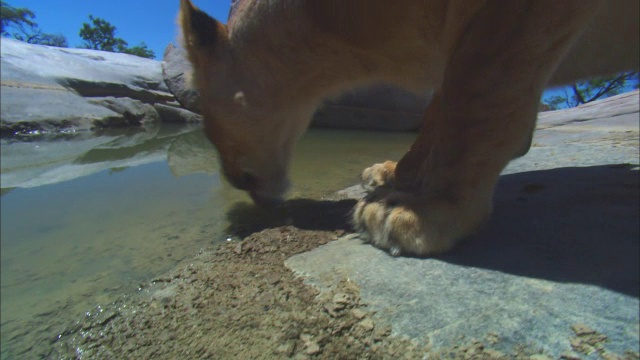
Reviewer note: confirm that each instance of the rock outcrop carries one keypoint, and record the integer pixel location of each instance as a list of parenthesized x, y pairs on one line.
[(50, 90), (176, 69), (380, 107)]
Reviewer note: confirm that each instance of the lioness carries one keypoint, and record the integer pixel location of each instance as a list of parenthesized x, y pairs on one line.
[(262, 76)]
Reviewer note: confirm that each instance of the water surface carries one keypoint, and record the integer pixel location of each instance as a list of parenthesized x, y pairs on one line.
[(89, 219)]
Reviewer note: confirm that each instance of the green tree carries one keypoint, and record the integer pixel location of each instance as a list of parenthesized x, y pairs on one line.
[(14, 17), (18, 23), (42, 38), (141, 50), (101, 35), (583, 92)]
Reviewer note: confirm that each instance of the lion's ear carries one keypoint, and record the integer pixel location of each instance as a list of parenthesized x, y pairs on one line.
[(200, 31)]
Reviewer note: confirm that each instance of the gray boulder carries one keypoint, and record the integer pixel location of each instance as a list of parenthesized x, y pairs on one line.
[(172, 114), (133, 112), (28, 108), (78, 68), (381, 107), (48, 89), (176, 68)]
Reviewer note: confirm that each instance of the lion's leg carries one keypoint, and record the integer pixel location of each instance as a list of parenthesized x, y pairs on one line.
[(438, 194), (479, 120), (524, 148)]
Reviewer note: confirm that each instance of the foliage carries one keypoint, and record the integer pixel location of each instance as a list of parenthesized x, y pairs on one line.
[(141, 50), (100, 35), (11, 16), (591, 90), (18, 23)]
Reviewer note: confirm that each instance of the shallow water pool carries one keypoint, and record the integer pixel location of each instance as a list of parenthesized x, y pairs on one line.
[(86, 220)]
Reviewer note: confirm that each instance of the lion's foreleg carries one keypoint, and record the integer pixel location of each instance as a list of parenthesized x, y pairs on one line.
[(480, 119)]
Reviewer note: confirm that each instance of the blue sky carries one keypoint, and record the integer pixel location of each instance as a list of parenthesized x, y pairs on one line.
[(151, 21)]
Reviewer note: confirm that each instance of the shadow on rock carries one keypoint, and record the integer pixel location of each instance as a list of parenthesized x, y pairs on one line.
[(304, 214), (574, 225)]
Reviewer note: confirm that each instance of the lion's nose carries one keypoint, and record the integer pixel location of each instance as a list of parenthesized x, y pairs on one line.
[(243, 181)]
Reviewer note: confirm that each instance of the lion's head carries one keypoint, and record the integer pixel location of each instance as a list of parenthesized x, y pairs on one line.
[(244, 114)]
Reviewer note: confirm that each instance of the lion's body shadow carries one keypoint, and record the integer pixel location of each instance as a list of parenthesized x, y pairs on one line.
[(576, 225)]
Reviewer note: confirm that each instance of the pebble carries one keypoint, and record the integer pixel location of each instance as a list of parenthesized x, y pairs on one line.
[(570, 356), (341, 298), (367, 324), (333, 309), (381, 332), (272, 279), (612, 356), (358, 313), (238, 249), (312, 348), (285, 349), (495, 354), (582, 329), (540, 357)]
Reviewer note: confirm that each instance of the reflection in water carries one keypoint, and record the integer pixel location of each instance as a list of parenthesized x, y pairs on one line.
[(87, 220)]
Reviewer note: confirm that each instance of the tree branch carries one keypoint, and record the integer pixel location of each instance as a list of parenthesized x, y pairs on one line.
[(615, 83), (577, 93)]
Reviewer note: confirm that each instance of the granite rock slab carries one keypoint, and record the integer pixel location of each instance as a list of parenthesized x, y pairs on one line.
[(51, 90)]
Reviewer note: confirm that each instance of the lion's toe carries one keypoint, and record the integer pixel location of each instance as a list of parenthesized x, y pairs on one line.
[(378, 175), (402, 225)]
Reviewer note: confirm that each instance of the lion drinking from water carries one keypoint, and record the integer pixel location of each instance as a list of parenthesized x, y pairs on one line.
[(262, 76)]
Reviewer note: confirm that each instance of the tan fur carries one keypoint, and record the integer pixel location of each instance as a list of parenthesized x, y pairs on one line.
[(262, 77)]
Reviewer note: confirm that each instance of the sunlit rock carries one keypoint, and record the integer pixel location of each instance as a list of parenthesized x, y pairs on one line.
[(50, 90)]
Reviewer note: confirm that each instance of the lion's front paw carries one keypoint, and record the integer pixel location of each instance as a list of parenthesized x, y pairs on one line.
[(378, 175), (405, 224)]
